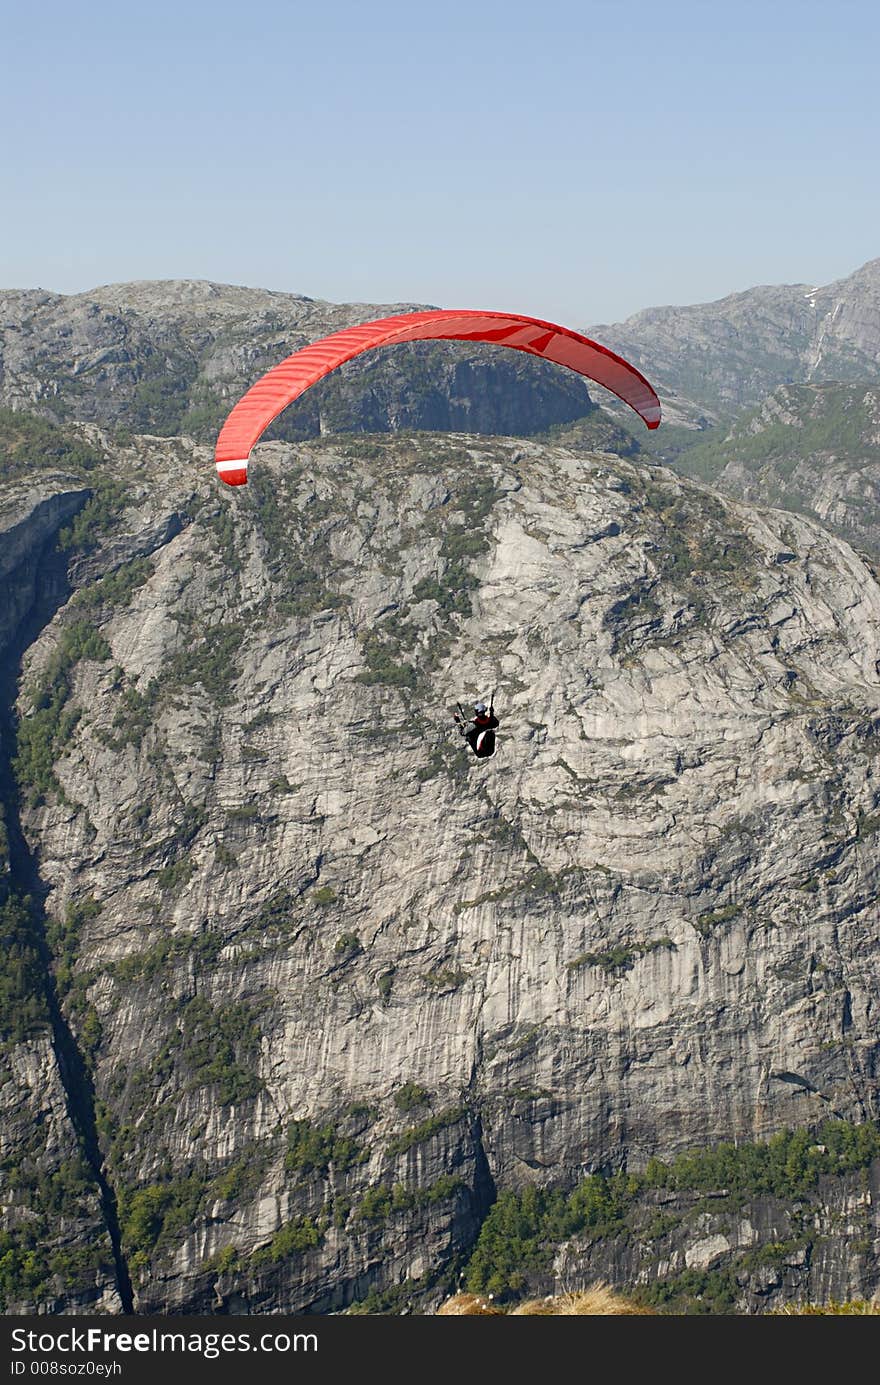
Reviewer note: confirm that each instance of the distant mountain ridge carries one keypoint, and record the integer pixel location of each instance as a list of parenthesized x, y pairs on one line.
[(169, 357), (172, 357), (712, 361)]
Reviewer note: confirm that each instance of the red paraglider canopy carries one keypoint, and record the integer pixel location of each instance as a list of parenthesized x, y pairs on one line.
[(285, 382)]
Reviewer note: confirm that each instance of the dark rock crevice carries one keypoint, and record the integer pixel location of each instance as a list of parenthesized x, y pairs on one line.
[(485, 1191), (50, 589)]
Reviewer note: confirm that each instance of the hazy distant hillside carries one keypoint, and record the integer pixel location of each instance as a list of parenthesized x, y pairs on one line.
[(710, 361), (814, 449)]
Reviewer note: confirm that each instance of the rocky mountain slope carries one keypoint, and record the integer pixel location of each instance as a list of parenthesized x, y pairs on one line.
[(305, 1007), (771, 395), (814, 449), (711, 361)]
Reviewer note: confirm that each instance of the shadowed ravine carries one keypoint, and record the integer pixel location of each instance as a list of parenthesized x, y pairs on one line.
[(51, 591)]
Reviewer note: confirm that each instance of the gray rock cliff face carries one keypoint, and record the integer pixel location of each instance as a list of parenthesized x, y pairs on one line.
[(30, 524), (339, 983)]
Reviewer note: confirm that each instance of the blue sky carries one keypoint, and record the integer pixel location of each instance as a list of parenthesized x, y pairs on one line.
[(575, 161)]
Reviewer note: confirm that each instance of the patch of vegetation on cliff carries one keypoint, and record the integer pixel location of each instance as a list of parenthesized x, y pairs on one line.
[(280, 916), (294, 1237), (296, 543), (460, 544), (522, 1231), (97, 517), (695, 545), (537, 881), (707, 922), (63, 938), (398, 651), (315, 1148), (159, 401), (159, 1215), (418, 1134), (693, 1291), (393, 1301), (383, 645), (216, 1046), (204, 414), (135, 714), (410, 1096), (210, 657), (203, 948), (699, 534), (29, 443), (458, 548), (154, 1218), (788, 1166), (636, 618), (173, 850), (23, 1008), (713, 1291), (442, 979), (43, 1251), (445, 758), (219, 1046), (620, 957), (383, 1200), (48, 728), (275, 921), (347, 946), (116, 589)]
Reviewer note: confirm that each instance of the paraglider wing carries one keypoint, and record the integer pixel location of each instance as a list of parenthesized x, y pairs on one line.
[(286, 381)]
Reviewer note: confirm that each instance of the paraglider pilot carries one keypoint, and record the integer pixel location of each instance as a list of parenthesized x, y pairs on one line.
[(484, 717), (479, 730)]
